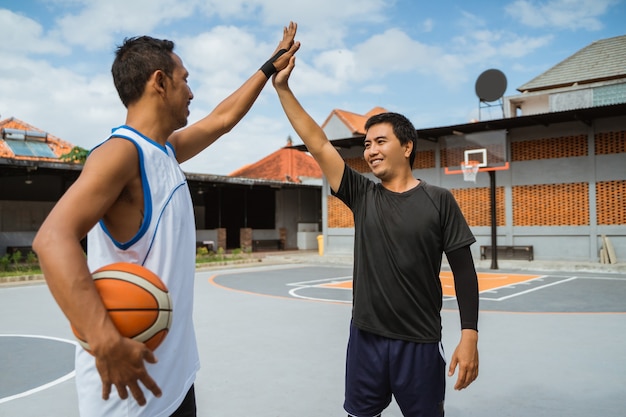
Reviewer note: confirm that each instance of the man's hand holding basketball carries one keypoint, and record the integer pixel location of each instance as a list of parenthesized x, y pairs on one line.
[(122, 364)]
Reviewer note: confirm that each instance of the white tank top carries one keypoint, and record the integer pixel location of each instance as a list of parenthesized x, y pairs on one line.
[(165, 244)]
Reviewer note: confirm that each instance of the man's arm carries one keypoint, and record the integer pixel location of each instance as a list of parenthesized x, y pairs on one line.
[(312, 135), (192, 140), (466, 286), (120, 361)]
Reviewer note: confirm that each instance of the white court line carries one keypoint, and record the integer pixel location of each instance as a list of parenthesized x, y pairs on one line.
[(319, 283), (506, 297), (306, 283), (293, 293), (495, 289), (44, 386), (605, 278)]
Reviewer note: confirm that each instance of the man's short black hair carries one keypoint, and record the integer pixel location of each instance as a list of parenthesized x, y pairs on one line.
[(136, 60)]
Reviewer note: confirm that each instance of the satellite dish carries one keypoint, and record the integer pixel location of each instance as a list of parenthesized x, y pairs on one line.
[(490, 85)]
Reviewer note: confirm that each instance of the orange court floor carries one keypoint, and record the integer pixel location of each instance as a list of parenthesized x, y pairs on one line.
[(487, 281)]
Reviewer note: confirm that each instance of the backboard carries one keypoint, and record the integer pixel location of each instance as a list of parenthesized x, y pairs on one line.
[(487, 149)]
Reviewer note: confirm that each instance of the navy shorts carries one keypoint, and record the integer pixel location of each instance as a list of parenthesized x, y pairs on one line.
[(188, 406), (378, 367)]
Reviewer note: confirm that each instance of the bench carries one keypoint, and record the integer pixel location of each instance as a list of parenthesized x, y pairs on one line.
[(509, 252), (208, 244), (267, 244)]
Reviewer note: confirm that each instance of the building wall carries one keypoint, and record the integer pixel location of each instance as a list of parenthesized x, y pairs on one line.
[(566, 98), (336, 129), (21, 214), (566, 187), (19, 222), (296, 206)]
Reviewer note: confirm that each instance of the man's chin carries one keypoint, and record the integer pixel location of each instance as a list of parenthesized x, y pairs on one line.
[(182, 124), (380, 174)]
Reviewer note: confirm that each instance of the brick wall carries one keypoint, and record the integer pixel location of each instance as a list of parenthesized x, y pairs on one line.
[(561, 147), (610, 143), (358, 164), (476, 205), (551, 205), (424, 160), (339, 215), (611, 202)]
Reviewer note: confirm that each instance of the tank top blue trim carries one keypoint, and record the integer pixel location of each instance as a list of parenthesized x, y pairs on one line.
[(147, 199)]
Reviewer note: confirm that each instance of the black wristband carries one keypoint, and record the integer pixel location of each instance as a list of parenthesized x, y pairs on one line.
[(268, 68)]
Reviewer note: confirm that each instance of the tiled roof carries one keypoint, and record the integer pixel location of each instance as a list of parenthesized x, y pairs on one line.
[(354, 122), (600, 61), (58, 146), (286, 164)]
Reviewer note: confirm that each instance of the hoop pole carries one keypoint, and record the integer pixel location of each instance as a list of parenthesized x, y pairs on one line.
[(494, 223)]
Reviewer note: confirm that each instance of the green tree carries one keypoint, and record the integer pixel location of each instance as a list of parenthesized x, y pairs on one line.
[(76, 154)]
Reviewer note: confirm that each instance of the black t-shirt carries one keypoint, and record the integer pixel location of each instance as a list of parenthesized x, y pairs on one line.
[(399, 242)]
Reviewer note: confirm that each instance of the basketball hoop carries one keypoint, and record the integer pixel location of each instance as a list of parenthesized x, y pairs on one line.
[(470, 169)]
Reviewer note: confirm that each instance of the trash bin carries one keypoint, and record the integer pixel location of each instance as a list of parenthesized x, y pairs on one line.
[(320, 245)]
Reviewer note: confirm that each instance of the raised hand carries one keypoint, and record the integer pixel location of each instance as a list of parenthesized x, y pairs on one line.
[(288, 44)]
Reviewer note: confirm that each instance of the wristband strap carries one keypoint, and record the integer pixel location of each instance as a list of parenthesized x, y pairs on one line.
[(268, 68)]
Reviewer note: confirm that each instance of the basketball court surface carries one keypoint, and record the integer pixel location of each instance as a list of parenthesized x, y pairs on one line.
[(272, 343)]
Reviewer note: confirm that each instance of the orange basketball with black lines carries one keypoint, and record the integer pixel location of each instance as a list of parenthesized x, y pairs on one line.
[(138, 303)]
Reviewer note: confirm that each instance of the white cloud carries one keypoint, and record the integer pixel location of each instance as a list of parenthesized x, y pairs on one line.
[(306, 12), (322, 24), (483, 46), (53, 97), (64, 103), (22, 35), (524, 45), (255, 137), (561, 14), (219, 61), (340, 64), (99, 23), (395, 52), (366, 65)]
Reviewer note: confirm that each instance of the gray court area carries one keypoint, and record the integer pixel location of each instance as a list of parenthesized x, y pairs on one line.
[(272, 343), (26, 353)]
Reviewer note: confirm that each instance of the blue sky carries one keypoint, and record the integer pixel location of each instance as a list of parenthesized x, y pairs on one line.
[(414, 57)]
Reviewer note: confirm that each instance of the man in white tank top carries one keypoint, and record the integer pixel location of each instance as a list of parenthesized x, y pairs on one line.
[(133, 201)]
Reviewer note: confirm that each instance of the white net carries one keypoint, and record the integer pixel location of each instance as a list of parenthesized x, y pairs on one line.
[(470, 169)]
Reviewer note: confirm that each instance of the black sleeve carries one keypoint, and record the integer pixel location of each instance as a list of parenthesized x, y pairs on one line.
[(466, 286)]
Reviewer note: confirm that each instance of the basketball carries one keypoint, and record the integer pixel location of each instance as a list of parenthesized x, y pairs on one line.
[(137, 300)]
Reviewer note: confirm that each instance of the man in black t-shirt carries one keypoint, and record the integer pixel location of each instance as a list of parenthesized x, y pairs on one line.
[(402, 228)]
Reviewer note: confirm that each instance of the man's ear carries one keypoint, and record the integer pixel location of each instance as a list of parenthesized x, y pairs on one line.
[(158, 81), (409, 147)]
